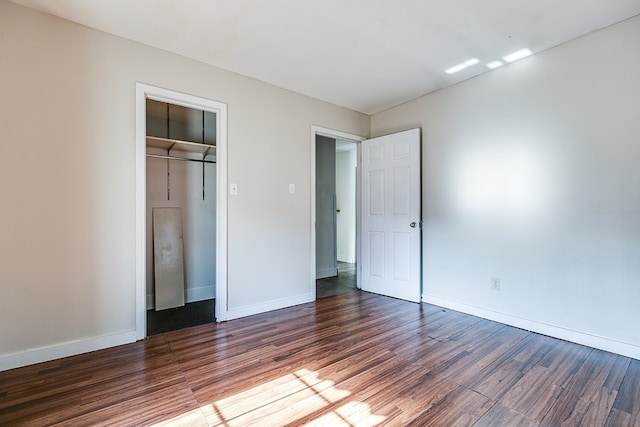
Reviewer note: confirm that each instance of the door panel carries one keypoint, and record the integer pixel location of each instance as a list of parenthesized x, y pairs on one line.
[(391, 191)]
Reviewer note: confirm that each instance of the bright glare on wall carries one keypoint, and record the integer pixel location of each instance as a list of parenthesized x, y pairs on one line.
[(501, 184)]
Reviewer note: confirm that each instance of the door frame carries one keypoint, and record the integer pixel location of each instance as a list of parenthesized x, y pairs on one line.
[(336, 134), (144, 91)]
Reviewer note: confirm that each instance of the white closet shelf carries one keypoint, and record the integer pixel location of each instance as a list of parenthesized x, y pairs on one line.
[(179, 145)]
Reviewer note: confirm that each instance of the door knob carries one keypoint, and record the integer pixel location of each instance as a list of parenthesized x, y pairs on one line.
[(413, 224)]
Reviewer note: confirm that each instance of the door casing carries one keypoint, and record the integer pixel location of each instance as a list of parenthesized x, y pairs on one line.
[(330, 133), (144, 91)]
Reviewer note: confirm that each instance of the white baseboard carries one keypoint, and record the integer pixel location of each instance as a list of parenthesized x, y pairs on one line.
[(57, 351), (595, 341), (200, 293), (190, 295), (347, 259), (235, 313), (323, 273)]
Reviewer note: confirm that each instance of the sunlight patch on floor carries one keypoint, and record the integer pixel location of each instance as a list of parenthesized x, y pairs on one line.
[(188, 419), (296, 396), (351, 414)]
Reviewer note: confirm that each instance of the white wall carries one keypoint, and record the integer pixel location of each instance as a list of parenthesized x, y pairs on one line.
[(67, 261), (346, 163), (530, 175)]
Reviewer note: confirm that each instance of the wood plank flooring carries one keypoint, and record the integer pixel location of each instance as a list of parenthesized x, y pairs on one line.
[(353, 359)]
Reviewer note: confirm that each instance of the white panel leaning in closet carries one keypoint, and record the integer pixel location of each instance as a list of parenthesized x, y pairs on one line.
[(168, 258), (181, 173)]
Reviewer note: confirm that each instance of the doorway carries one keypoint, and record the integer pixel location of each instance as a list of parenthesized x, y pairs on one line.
[(389, 225), (185, 159), (335, 208)]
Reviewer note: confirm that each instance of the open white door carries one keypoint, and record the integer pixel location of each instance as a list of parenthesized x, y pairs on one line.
[(390, 215)]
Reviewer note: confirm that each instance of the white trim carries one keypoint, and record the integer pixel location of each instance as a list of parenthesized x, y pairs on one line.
[(331, 133), (141, 210), (199, 293), (358, 217), (221, 214), (57, 351), (590, 340), (264, 307), (144, 91)]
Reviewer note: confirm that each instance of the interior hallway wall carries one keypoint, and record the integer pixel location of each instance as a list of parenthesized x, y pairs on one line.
[(326, 258), (530, 175), (346, 162)]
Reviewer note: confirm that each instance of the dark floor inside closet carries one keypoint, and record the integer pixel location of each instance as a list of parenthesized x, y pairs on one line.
[(171, 319)]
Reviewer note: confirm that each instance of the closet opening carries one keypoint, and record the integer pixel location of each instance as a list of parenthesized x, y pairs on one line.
[(181, 195)]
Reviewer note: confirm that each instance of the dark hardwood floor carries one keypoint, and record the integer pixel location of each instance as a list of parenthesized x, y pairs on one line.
[(352, 359)]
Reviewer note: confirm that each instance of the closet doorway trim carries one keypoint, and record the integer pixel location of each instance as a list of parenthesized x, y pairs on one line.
[(144, 91)]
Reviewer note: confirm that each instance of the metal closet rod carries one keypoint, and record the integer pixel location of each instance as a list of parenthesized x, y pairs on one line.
[(160, 156)]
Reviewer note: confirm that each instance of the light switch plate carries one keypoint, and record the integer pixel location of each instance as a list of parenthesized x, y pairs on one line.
[(292, 189), (233, 189)]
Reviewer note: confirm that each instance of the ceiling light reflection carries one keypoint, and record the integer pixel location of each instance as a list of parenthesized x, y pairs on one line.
[(455, 69), (519, 54), (462, 66)]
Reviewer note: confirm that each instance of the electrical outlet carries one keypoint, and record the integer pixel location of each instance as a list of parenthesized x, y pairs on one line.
[(495, 284)]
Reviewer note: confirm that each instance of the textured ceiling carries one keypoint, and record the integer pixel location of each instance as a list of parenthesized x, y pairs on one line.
[(366, 55)]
